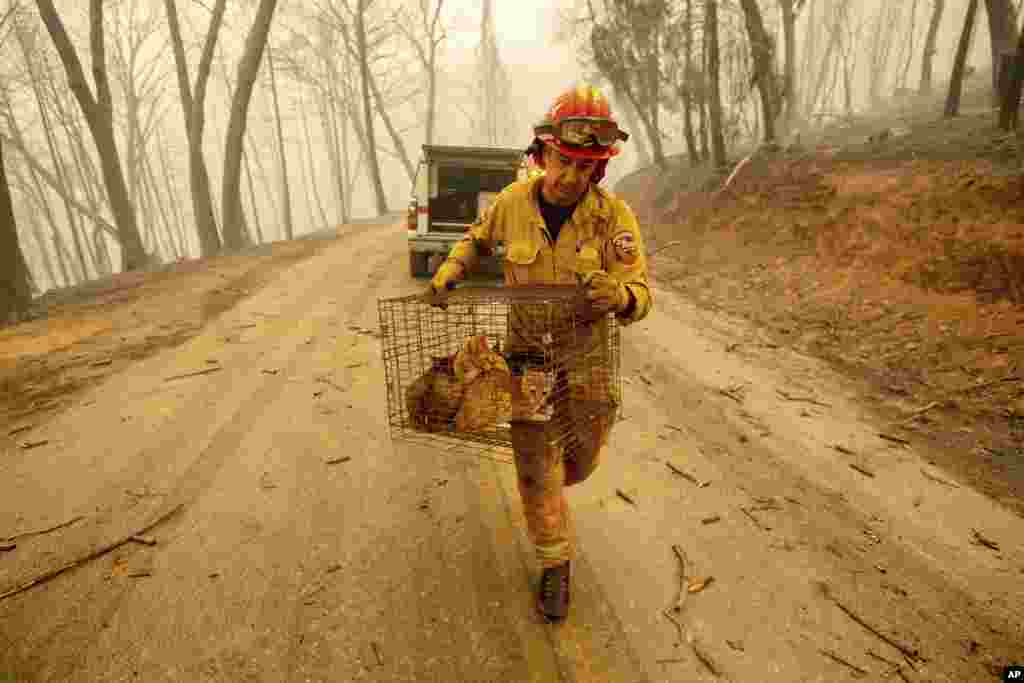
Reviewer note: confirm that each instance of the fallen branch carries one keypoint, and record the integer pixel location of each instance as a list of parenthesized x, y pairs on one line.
[(40, 532), (801, 399), (894, 439), (863, 470), (680, 631), (843, 449), (939, 480), (852, 667), (921, 411), (752, 518), (985, 385), (331, 383), (705, 659), (207, 371), (99, 552), (625, 496), (896, 668), (908, 651), (735, 171), (982, 540), (683, 579), (685, 475), (872, 653), (729, 393)]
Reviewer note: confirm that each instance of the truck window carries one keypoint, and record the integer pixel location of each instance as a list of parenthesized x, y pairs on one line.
[(459, 188)]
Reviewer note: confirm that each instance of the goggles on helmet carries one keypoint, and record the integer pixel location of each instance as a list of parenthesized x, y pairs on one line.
[(584, 132)]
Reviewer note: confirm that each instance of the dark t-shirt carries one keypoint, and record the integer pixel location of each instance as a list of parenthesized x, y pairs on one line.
[(554, 216)]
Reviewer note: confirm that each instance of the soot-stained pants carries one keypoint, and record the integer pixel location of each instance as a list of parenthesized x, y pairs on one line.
[(562, 452)]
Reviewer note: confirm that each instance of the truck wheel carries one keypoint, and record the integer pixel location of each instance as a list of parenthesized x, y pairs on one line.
[(418, 264)]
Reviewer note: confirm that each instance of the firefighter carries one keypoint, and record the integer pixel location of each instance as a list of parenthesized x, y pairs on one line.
[(561, 227)]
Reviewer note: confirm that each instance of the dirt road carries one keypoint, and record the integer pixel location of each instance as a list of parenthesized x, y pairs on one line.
[(831, 549)]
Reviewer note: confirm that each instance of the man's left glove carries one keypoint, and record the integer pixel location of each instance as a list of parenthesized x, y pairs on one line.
[(443, 281), (605, 293)]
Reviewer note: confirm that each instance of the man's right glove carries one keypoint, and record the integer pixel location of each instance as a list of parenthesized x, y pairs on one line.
[(443, 281), (605, 293)]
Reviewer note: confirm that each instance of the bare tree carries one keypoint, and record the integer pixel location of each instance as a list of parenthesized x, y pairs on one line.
[(87, 177), (763, 52), (907, 52), (335, 123), (790, 12), (363, 62), (426, 39), (629, 114), (1002, 29), (626, 40), (393, 132), (960, 61), (15, 291), (351, 19), (98, 111), (36, 77), (717, 136), (885, 32), (928, 57), (233, 223), (286, 192), (193, 106), (817, 93), (1009, 112)]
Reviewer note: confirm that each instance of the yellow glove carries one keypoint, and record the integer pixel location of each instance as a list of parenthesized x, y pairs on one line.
[(605, 293), (444, 279)]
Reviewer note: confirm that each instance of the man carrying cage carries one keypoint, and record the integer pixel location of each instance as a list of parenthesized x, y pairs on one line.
[(562, 228)]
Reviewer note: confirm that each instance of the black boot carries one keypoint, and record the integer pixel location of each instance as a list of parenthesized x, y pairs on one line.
[(553, 594)]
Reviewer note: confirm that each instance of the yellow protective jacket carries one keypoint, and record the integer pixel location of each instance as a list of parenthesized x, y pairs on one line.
[(601, 221)]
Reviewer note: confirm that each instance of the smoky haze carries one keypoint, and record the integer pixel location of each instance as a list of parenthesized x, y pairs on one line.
[(312, 158)]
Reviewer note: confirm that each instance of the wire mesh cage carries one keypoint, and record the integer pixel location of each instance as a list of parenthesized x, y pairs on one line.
[(496, 357)]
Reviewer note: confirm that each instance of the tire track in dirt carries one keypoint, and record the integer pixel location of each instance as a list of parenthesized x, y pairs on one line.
[(195, 479), (808, 523)]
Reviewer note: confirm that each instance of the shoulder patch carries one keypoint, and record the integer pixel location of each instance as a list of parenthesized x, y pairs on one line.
[(625, 246)]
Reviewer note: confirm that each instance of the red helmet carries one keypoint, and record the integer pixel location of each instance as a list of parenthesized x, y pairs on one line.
[(580, 125)]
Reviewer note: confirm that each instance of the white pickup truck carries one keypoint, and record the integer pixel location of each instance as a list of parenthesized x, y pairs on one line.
[(453, 186)]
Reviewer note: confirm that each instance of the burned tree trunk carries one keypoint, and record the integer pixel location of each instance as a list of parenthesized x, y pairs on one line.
[(789, 93), (1009, 111), (763, 53), (714, 86), (286, 191), (928, 58), (956, 82), (98, 112), (629, 113), (1002, 28), (193, 106), (233, 222), (363, 58), (15, 292), (687, 87)]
